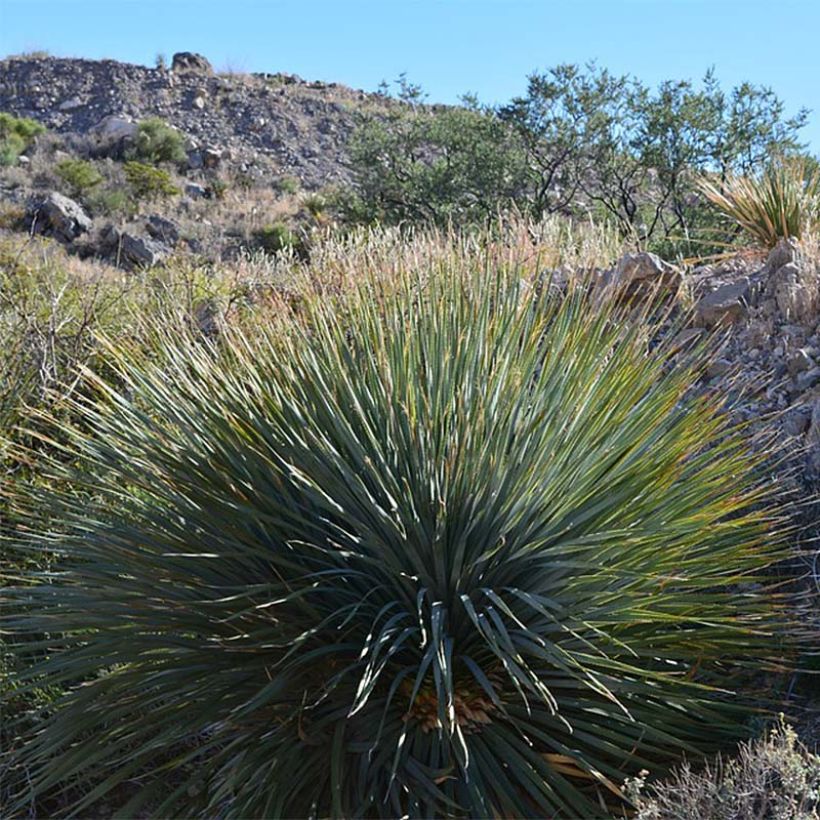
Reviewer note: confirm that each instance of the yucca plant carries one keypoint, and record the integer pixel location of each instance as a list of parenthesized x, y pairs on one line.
[(781, 202), (453, 547)]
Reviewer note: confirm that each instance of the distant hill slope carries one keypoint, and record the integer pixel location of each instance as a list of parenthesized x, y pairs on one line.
[(290, 125)]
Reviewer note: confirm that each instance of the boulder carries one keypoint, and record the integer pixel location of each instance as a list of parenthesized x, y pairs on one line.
[(642, 273), (162, 229), (785, 251), (725, 305), (795, 290), (132, 250), (58, 216), (814, 423), (189, 61), (114, 129), (196, 191)]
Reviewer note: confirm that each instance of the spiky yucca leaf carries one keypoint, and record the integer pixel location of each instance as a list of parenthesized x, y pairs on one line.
[(779, 203), (449, 548)]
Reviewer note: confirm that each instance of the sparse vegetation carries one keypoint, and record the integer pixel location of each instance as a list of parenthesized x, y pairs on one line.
[(776, 778), (287, 185), (278, 237)]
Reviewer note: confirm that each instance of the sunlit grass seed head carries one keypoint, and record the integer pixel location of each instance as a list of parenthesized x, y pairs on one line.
[(440, 548)]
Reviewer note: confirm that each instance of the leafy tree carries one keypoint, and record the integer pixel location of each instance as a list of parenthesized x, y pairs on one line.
[(434, 164), (594, 138)]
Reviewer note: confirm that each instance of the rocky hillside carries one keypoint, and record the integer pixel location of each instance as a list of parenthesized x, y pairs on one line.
[(275, 123)]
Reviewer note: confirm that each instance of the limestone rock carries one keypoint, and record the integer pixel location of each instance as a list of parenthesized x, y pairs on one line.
[(58, 216), (162, 229), (189, 61), (725, 305)]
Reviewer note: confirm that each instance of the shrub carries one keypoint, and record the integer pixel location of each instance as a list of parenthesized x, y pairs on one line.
[(80, 175), (16, 134), (109, 201), (287, 185), (445, 547), (148, 182), (783, 201), (776, 778), (157, 142), (277, 237)]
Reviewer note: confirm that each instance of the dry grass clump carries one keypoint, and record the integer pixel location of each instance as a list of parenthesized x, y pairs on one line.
[(775, 778)]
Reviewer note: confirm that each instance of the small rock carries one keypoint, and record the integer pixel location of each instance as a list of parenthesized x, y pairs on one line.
[(719, 367), (199, 103), (783, 253), (794, 293), (814, 424), (798, 361), (797, 421), (808, 379), (211, 156), (162, 229), (726, 305), (641, 272), (196, 191), (70, 104)]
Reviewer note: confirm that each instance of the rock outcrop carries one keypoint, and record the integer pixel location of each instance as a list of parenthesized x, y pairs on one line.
[(57, 216), (269, 124)]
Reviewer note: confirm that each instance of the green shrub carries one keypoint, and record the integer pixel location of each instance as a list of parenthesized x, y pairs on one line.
[(16, 134), (452, 546), (776, 778), (783, 201), (276, 238), (157, 142), (287, 185), (80, 175), (110, 201), (148, 182)]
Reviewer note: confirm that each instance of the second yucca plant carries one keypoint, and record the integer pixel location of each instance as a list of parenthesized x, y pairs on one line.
[(782, 202), (447, 548)]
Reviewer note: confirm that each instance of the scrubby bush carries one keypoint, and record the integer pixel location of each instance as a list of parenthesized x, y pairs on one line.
[(80, 175), (776, 778), (780, 202), (439, 546), (278, 237), (110, 201), (287, 185), (16, 134), (156, 142), (148, 182)]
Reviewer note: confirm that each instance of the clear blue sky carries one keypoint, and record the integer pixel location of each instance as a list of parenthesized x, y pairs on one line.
[(448, 46)]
